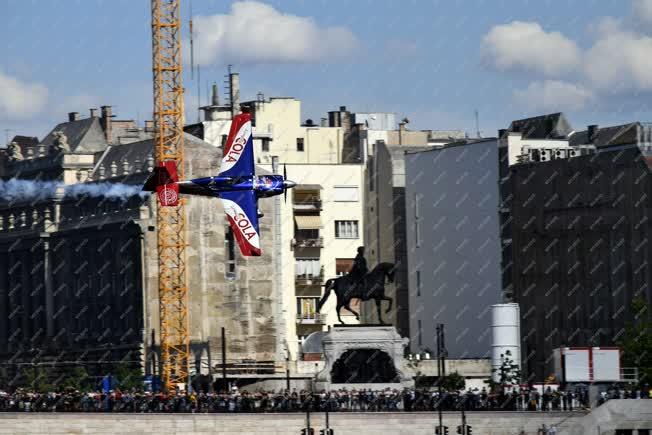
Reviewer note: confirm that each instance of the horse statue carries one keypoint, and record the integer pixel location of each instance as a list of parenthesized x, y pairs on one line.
[(371, 287)]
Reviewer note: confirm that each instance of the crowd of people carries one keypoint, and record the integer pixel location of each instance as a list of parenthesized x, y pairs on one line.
[(408, 400)]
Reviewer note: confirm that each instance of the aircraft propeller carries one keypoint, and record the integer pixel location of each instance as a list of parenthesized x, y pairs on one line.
[(285, 177)]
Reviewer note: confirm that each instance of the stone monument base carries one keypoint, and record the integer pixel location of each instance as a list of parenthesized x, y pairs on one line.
[(364, 357)]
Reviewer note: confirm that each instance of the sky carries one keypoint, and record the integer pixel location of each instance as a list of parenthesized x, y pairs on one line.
[(433, 61)]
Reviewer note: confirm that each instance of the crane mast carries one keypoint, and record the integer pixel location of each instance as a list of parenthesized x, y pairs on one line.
[(171, 221)]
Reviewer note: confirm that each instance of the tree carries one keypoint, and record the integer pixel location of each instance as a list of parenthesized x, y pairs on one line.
[(37, 379), (636, 342), (508, 373), (75, 378), (129, 376), (453, 382)]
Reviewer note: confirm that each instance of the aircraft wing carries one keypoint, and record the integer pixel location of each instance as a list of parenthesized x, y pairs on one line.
[(238, 157), (241, 210)]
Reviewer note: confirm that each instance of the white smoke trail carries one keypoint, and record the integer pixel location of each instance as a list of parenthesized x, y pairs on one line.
[(107, 190), (28, 190)]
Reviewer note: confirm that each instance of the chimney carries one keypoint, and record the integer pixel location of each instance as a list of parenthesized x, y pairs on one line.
[(592, 132), (215, 99), (93, 113), (401, 130), (234, 87), (73, 116), (105, 121)]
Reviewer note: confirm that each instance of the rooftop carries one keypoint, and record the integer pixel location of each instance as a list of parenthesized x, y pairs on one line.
[(551, 126)]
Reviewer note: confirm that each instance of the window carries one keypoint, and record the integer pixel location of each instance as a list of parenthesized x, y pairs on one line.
[(418, 283), (343, 266), (307, 307), (299, 144), (307, 267), (346, 229), (230, 247), (345, 193), (265, 144)]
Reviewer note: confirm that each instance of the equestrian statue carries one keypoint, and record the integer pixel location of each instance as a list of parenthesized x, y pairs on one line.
[(361, 284)]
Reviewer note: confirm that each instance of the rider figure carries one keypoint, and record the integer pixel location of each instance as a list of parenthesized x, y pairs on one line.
[(359, 268)]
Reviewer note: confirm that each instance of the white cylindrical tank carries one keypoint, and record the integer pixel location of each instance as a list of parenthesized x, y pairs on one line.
[(506, 335)]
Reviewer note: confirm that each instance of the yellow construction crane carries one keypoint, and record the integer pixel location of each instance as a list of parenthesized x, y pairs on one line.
[(171, 221)]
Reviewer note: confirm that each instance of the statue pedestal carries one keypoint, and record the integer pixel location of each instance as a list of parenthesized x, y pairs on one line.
[(364, 356)]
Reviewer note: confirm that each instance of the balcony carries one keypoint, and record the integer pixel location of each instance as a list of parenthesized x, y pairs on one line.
[(306, 197), (309, 279), (307, 242), (311, 319), (312, 204)]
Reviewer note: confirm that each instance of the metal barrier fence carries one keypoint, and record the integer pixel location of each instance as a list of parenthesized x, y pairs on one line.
[(336, 401)]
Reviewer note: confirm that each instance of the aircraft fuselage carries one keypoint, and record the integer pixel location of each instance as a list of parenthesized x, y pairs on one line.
[(263, 185)]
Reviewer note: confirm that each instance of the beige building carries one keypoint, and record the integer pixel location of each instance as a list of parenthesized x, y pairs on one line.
[(278, 131), (322, 224)]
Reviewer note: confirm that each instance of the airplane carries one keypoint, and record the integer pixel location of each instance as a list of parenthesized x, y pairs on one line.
[(236, 185)]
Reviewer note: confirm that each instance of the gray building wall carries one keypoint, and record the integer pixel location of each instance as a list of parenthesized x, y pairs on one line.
[(385, 236), (453, 245)]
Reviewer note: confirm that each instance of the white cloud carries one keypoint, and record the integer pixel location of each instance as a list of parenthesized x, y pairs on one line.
[(255, 32), (643, 10), (553, 95), (526, 46), (620, 61), (19, 99)]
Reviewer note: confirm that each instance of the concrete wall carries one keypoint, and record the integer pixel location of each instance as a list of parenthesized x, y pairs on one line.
[(453, 246), (485, 423), (515, 144), (243, 306), (386, 228)]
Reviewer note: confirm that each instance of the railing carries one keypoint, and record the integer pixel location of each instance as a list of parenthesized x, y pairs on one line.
[(305, 205), (246, 368), (310, 319), (308, 279), (629, 374), (308, 242)]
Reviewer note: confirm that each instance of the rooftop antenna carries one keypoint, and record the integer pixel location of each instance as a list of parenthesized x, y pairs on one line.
[(192, 49), (192, 62), (198, 95), (477, 124)]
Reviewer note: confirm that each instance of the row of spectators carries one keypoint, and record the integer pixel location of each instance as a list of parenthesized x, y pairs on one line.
[(284, 401)]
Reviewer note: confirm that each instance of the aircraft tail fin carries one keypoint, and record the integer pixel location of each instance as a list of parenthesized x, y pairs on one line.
[(163, 181)]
